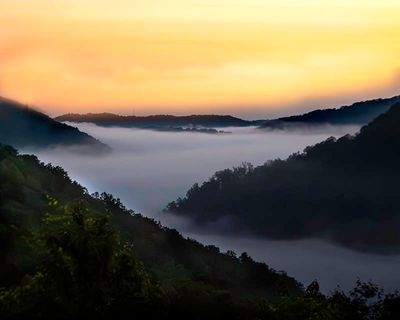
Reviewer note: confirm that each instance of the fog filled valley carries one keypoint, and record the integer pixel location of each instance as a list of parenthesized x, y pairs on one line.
[(147, 169), (200, 160)]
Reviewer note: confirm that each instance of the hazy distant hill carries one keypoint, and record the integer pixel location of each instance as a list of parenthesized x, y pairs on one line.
[(22, 126), (346, 190), (158, 121), (359, 113)]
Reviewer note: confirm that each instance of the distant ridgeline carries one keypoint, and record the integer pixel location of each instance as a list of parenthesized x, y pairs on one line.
[(346, 190), (359, 113), (21, 126), (159, 121)]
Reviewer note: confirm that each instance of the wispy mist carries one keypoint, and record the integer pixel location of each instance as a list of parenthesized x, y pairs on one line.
[(147, 169), (310, 259)]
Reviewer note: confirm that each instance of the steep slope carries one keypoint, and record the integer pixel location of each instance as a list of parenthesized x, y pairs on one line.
[(157, 121), (24, 127), (25, 189), (344, 190), (359, 113)]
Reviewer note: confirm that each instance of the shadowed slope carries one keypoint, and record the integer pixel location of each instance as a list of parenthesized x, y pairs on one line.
[(359, 113), (345, 190), (22, 126), (27, 185)]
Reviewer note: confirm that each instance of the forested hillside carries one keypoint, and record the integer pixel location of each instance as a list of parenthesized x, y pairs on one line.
[(38, 200), (67, 254), (157, 121), (359, 113), (344, 190), (22, 126)]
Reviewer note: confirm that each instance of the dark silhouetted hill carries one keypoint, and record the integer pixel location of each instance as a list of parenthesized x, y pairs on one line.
[(158, 121), (22, 126), (359, 113), (345, 190)]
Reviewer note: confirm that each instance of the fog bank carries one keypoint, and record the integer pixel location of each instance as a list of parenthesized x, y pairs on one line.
[(309, 260), (147, 169)]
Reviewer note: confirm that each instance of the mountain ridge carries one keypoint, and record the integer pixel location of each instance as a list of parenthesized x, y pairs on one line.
[(31, 185), (341, 190), (358, 113), (23, 126), (161, 120)]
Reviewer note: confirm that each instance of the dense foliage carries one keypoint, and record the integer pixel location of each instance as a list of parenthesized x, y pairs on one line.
[(359, 113), (67, 254), (182, 267), (346, 190), (21, 126), (83, 269)]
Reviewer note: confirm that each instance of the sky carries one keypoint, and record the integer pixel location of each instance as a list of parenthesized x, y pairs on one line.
[(251, 58)]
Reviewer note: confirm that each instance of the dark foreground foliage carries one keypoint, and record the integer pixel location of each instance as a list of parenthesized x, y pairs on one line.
[(85, 270)]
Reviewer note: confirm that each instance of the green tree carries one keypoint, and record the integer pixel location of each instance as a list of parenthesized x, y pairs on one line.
[(85, 270)]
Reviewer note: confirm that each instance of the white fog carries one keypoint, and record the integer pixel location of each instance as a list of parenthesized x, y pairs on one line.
[(147, 169)]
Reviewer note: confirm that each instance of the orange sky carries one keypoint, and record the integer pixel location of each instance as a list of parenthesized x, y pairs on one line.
[(247, 57)]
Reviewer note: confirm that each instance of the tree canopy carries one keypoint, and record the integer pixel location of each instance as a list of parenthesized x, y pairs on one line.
[(344, 190)]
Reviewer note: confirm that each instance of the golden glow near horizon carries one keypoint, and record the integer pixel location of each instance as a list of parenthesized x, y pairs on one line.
[(186, 56)]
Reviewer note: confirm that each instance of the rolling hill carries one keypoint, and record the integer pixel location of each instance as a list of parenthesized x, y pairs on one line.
[(344, 190), (359, 113), (24, 127), (158, 121), (31, 193), (68, 254)]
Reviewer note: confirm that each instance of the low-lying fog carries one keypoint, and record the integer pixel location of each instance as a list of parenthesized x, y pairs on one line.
[(147, 169)]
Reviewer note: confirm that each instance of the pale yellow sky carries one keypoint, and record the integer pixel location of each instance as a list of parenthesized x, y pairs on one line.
[(182, 56)]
